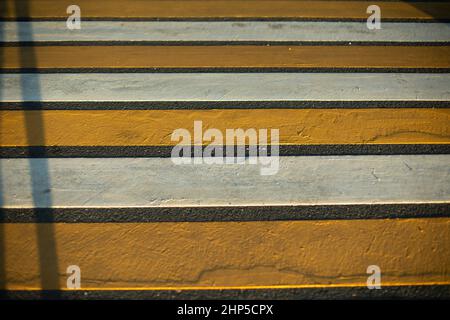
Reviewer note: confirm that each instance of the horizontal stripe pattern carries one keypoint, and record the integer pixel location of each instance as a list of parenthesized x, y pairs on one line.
[(128, 182), (292, 254), (155, 127), (212, 57), (134, 87), (113, 203), (219, 31)]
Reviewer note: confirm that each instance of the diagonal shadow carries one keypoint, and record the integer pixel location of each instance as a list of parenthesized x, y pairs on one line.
[(38, 164)]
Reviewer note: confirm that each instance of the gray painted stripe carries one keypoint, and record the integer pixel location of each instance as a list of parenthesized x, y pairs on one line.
[(225, 87), (157, 182), (225, 31)]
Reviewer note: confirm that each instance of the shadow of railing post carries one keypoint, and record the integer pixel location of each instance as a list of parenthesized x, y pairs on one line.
[(38, 163)]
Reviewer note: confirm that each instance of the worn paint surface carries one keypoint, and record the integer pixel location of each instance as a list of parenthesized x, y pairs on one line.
[(228, 57), (217, 255), (137, 87), (155, 127), (158, 182), (228, 9), (234, 254), (279, 31)]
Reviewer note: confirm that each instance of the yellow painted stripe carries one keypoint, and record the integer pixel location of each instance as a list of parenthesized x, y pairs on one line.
[(227, 57), (229, 254), (224, 9), (154, 127)]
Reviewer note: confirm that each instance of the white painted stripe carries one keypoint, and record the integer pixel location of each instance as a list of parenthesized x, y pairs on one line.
[(224, 31), (224, 87), (157, 182)]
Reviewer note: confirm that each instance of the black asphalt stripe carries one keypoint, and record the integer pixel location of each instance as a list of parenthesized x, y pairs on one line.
[(205, 105), (223, 214), (225, 70), (219, 43), (165, 151), (336, 293)]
